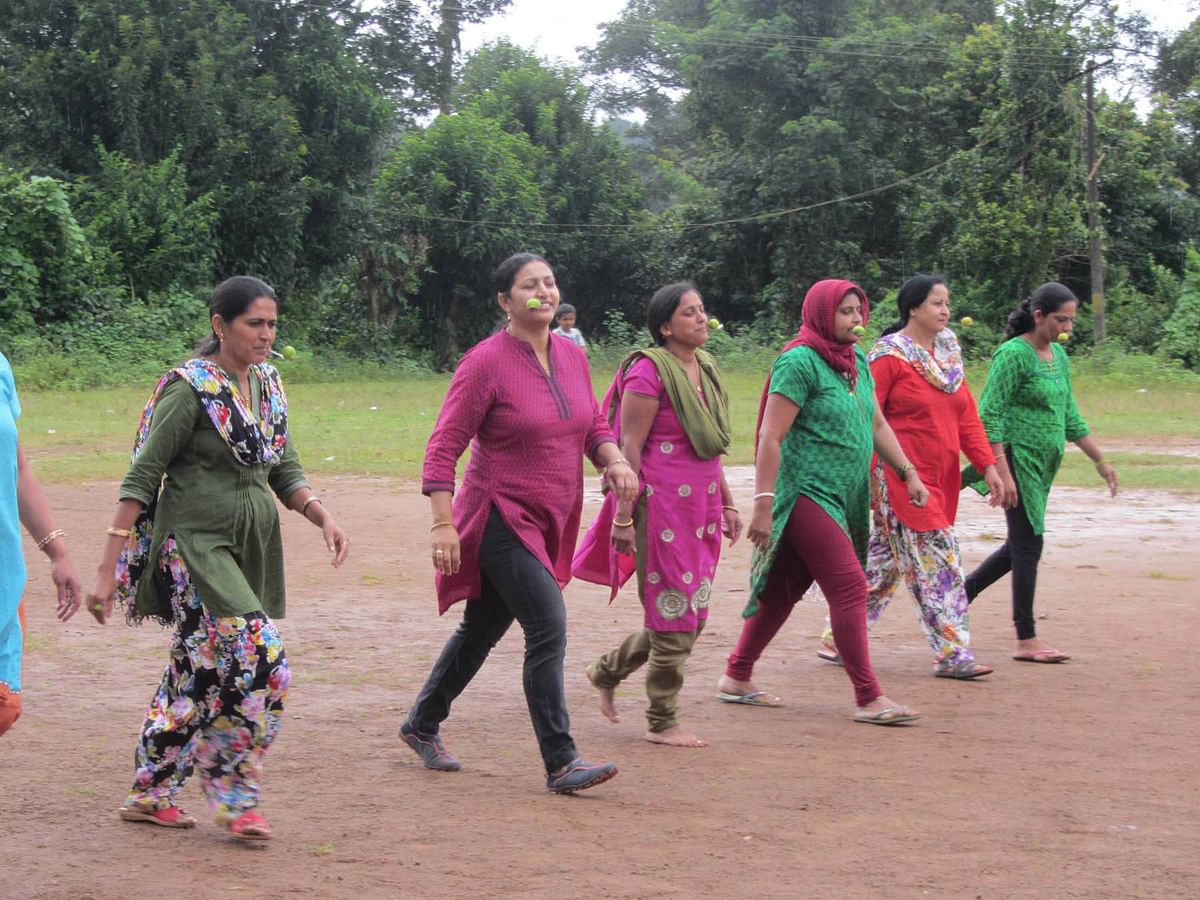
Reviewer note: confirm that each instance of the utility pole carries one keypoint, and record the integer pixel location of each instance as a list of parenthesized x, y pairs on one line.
[(1095, 254)]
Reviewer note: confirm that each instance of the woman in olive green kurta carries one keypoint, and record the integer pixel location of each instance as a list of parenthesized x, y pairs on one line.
[(198, 520), (1029, 412)]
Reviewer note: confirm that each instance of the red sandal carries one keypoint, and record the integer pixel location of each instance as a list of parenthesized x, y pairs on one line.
[(167, 817), (250, 826)]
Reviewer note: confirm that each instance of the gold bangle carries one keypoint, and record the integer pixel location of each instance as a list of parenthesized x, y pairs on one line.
[(118, 532), (437, 525), (617, 524), (313, 499), (621, 460), (56, 533), (1102, 461), (730, 508), (904, 470)]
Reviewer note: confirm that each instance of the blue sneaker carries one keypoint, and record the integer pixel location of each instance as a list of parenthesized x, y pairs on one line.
[(579, 776), (430, 748)]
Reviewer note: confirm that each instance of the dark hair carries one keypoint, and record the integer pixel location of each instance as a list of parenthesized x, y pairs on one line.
[(506, 272), (912, 294), (564, 309), (1046, 299), (231, 299), (663, 305)]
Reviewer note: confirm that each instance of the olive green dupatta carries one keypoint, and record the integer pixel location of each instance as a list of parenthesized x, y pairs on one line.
[(707, 426)]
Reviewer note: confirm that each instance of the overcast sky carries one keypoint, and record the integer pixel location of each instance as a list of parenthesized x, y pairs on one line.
[(554, 28)]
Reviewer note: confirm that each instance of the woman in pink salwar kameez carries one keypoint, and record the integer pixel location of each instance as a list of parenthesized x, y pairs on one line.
[(669, 412)]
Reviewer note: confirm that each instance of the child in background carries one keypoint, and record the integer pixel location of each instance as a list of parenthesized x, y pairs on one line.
[(565, 319)]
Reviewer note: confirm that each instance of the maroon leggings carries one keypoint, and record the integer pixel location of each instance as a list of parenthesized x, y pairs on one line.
[(813, 548)]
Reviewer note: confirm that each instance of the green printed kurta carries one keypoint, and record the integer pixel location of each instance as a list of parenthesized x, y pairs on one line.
[(825, 456), (221, 513), (1028, 405)]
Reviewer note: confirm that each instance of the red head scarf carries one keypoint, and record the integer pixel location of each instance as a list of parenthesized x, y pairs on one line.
[(817, 316)]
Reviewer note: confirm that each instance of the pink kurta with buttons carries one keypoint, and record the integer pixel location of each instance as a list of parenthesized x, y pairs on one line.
[(528, 431)]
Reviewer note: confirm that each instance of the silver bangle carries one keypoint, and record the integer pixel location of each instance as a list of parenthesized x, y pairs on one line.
[(762, 494)]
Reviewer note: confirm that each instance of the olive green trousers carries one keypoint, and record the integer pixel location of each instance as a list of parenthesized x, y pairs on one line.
[(664, 653)]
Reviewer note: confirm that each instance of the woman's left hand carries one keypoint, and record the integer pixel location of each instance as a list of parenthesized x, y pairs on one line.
[(335, 540), (623, 481), (1109, 474), (70, 592), (731, 525), (918, 494)]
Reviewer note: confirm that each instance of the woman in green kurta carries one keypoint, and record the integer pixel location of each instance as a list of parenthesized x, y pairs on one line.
[(198, 520), (818, 426), (1029, 412)]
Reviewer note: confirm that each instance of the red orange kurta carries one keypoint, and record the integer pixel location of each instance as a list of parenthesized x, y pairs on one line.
[(932, 427), (528, 432)]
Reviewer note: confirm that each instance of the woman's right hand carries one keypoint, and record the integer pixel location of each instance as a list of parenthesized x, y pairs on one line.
[(446, 549), (102, 596), (1010, 490), (622, 539), (759, 532)]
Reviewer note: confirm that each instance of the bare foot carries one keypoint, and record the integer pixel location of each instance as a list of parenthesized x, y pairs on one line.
[(734, 688), (675, 737), (608, 699)]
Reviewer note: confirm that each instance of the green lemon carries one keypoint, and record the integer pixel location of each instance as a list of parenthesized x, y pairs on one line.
[(967, 321), (1064, 336), (289, 352), (859, 330), (714, 323), (533, 303)]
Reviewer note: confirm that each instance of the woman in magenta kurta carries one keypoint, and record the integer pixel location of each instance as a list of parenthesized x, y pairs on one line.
[(673, 419), (921, 390), (522, 399)]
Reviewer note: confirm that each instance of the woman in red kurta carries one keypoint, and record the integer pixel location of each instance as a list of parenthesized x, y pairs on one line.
[(522, 399), (919, 383)]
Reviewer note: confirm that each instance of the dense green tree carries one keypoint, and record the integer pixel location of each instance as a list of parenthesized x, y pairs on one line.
[(45, 258), (465, 187)]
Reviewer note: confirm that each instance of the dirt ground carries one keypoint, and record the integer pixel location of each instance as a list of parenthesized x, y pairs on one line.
[(1067, 781)]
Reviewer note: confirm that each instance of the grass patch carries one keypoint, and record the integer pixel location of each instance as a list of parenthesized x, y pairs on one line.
[(379, 428), (1147, 471)]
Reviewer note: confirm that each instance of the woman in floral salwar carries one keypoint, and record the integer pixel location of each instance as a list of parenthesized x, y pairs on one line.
[(921, 390), (201, 551), (1029, 412), (670, 413), (818, 426)]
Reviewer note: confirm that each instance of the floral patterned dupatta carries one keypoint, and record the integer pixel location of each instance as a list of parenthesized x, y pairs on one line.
[(943, 368), (252, 440)]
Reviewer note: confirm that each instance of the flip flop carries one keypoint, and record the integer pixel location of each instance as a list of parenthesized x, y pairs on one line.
[(750, 699), (889, 715), (830, 656), (167, 817), (963, 671), (1043, 656)]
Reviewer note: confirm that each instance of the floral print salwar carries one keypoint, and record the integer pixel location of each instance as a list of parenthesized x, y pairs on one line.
[(218, 707), (930, 563)]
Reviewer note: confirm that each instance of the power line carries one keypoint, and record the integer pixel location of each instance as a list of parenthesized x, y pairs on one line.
[(768, 215)]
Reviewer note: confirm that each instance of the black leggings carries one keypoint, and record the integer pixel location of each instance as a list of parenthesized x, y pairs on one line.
[(1020, 554), (515, 586)]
